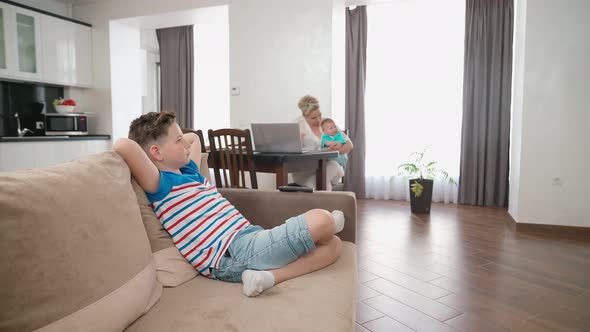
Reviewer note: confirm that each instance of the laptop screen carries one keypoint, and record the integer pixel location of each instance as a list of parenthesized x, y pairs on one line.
[(277, 137)]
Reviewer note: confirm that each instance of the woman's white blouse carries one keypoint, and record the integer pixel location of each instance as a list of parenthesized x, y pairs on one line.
[(309, 140)]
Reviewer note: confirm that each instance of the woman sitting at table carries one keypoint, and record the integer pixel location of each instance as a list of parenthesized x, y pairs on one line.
[(311, 139)]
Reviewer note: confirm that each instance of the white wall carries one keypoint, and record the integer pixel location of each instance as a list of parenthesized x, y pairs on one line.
[(211, 42), (554, 115), (149, 43), (126, 76), (150, 98), (279, 51), (52, 6), (212, 100), (338, 62), (149, 40), (517, 104)]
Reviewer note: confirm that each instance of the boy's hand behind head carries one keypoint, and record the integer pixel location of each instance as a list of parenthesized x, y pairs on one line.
[(141, 167)]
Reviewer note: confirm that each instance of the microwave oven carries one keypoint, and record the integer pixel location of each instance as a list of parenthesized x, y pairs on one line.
[(66, 124)]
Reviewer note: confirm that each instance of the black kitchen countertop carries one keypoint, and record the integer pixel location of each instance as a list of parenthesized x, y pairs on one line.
[(9, 139)]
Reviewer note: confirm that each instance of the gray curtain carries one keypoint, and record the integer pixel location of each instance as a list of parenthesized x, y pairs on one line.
[(356, 65), (485, 139), (176, 72)]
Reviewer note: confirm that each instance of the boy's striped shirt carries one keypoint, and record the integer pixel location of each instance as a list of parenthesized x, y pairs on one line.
[(202, 223)]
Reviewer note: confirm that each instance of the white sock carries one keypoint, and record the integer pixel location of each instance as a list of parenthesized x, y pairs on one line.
[(338, 220), (256, 282)]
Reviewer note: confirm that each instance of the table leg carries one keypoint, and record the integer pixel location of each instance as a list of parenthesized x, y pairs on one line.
[(320, 175), (282, 175)]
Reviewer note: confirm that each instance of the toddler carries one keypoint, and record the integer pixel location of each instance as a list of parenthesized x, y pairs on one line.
[(332, 139)]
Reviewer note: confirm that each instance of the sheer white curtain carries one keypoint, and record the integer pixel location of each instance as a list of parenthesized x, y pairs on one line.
[(414, 92)]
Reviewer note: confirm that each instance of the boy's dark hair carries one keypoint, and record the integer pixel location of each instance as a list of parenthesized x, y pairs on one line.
[(150, 127), (327, 120)]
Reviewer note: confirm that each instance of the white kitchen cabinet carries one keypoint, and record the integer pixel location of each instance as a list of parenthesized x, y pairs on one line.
[(20, 50), (58, 50), (25, 155), (27, 41), (41, 48), (5, 24), (83, 55), (67, 52)]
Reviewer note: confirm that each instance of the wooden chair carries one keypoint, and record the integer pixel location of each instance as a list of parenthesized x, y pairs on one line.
[(231, 154), (200, 134)]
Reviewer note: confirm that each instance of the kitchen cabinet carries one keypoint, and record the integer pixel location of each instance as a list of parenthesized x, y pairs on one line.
[(42, 48), (66, 52), (83, 56), (25, 155), (28, 40), (6, 59), (20, 39)]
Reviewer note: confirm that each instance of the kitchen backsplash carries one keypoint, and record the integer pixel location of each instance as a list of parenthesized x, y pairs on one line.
[(30, 101)]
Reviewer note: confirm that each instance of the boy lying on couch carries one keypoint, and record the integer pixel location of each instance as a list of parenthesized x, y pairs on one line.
[(209, 232)]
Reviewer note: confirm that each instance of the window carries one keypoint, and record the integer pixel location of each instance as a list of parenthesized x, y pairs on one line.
[(414, 90)]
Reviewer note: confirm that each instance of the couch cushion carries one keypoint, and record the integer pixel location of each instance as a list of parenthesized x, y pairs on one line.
[(171, 267), (73, 250), (320, 301)]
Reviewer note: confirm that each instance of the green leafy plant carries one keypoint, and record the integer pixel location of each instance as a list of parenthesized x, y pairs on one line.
[(417, 188), (426, 170)]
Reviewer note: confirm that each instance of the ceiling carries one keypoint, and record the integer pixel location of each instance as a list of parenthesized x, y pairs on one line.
[(346, 2), (76, 2)]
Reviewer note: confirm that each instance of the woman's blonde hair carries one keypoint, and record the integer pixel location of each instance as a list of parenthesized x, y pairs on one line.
[(308, 104)]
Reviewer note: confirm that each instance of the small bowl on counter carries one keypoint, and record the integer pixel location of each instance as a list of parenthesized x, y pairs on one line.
[(64, 108)]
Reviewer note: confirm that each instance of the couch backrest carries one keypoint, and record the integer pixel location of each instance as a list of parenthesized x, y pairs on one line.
[(74, 254), (269, 208)]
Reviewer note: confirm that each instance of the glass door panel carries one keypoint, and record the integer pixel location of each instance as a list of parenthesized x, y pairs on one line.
[(27, 53), (2, 39)]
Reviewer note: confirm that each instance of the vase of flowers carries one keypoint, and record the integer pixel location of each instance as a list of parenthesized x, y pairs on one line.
[(422, 175)]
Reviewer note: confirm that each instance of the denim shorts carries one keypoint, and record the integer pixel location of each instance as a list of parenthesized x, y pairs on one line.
[(255, 248)]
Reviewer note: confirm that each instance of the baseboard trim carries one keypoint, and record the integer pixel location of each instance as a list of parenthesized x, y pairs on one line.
[(555, 230)]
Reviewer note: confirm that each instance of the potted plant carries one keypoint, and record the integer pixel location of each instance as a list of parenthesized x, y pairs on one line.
[(421, 187)]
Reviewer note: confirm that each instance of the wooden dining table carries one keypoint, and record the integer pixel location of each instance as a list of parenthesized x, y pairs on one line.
[(284, 163)]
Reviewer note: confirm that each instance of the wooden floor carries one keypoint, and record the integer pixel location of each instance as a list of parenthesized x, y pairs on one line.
[(465, 268)]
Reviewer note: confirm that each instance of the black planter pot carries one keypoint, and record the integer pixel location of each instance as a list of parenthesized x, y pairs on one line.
[(421, 204)]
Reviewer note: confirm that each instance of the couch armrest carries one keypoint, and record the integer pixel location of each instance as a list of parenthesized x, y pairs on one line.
[(269, 208)]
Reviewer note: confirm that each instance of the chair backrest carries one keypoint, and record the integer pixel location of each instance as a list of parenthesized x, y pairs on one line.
[(232, 154), (200, 134)]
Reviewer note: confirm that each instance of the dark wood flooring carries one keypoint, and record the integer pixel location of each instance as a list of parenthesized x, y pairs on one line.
[(465, 268)]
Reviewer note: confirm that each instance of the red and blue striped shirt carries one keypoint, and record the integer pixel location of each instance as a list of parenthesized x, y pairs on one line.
[(202, 223)]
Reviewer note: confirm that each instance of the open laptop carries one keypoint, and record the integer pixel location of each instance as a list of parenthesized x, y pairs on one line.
[(277, 137)]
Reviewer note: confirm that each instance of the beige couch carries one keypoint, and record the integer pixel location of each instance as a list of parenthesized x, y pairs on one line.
[(81, 251)]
